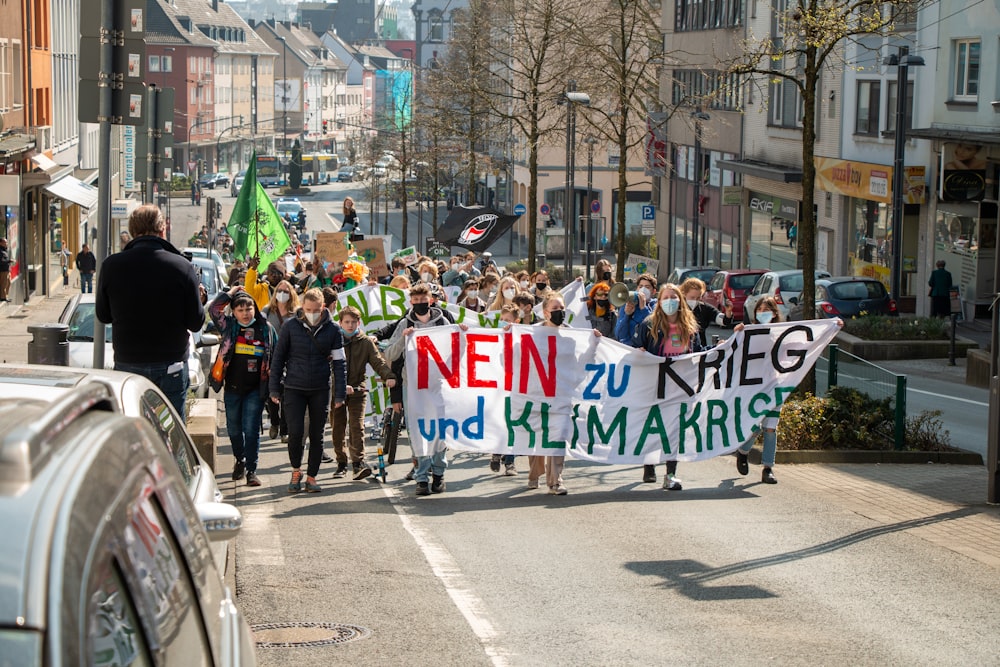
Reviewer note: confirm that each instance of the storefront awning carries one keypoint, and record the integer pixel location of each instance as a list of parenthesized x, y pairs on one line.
[(772, 172), (74, 190), (15, 144), (958, 136)]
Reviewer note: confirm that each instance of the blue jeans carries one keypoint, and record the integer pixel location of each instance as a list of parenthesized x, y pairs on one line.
[(294, 404), (243, 413), (770, 443), (433, 465), (173, 385), (86, 283)]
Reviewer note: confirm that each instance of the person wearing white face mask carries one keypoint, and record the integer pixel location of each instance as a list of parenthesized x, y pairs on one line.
[(283, 306), (469, 297), (692, 289), (310, 350), (242, 368), (505, 294), (636, 310), (428, 272), (670, 331)]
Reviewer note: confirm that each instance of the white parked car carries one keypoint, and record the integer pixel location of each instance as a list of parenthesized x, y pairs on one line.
[(784, 286)]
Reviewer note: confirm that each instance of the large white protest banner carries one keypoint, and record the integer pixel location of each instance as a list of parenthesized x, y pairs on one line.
[(555, 392)]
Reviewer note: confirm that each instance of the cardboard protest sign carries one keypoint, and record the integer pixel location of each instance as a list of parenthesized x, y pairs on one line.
[(372, 251), (636, 265), (332, 246), (408, 255)]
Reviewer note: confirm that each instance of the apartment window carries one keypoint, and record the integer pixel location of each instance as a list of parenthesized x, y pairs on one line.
[(890, 107), (17, 95), (866, 117), (154, 63), (967, 69), (785, 104), (435, 27), (707, 14)]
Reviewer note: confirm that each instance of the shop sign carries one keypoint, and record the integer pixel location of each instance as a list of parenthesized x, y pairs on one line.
[(776, 206), (732, 195), (915, 185), (860, 180), (963, 173)]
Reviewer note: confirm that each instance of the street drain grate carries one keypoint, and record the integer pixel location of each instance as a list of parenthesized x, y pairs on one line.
[(306, 634)]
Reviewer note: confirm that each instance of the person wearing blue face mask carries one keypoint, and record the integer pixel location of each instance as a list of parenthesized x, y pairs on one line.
[(670, 331), (361, 353)]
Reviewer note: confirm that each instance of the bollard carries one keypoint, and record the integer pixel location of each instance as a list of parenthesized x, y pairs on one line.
[(49, 344), (951, 350)]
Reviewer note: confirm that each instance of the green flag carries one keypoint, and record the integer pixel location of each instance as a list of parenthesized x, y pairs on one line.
[(255, 226)]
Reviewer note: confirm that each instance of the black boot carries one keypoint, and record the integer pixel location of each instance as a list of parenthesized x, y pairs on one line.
[(437, 484), (767, 476), (648, 474), (422, 489), (742, 464)]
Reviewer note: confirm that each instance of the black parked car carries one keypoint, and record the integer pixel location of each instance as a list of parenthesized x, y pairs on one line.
[(848, 297)]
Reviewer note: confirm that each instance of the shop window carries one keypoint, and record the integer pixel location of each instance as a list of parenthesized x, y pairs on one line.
[(866, 114), (435, 27), (966, 73)]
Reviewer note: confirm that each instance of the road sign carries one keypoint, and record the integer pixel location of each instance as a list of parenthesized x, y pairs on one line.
[(544, 209), (191, 166), (648, 212), (595, 206), (520, 209)]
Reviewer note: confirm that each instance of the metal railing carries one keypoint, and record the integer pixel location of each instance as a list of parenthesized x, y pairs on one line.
[(838, 368)]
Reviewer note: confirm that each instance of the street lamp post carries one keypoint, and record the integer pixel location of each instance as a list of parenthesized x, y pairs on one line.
[(699, 116), (902, 62), (571, 98), (284, 92), (590, 141)]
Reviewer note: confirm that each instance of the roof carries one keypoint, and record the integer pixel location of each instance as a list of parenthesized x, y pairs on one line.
[(965, 136), (186, 22)]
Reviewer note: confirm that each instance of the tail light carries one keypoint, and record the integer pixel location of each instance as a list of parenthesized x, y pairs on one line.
[(728, 293), (829, 308), (892, 306), (777, 296)]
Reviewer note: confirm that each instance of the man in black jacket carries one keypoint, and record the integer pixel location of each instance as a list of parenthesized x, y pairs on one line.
[(86, 264), (151, 295), (4, 270)]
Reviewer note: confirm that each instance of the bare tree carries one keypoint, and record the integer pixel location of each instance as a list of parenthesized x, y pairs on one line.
[(806, 35), (621, 78)]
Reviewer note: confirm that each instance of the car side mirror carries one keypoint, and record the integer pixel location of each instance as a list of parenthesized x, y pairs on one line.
[(794, 301), (221, 521), (208, 340)]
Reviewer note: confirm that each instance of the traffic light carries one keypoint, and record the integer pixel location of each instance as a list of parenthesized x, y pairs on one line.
[(325, 126)]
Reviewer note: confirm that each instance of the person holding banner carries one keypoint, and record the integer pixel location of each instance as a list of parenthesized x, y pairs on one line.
[(310, 351), (261, 291), (554, 312), (421, 315), (670, 331), (692, 289)]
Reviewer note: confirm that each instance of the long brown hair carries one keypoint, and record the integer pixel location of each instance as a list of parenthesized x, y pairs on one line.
[(660, 321)]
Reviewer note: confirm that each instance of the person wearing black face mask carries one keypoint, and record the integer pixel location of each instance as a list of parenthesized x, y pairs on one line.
[(602, 315), (554, 311), (540, 289)]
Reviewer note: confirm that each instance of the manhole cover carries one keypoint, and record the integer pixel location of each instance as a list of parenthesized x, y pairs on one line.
[(305, 634)]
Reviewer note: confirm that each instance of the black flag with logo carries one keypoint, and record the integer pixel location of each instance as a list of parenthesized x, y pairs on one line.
[(475, 228)]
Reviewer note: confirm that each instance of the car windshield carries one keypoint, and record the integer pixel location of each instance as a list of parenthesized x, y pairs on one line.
[(288, 207), (743, 280), (81, 325), (856, 291)]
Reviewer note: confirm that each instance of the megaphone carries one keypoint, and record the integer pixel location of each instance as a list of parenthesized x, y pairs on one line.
[(619, 295)]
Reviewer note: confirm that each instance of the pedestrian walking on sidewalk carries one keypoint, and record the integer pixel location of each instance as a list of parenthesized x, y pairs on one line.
[(940, 291), (4, 270), (86, 264), (242, 369), (151, 295), (309, 352), (360, 353), (282, 308)]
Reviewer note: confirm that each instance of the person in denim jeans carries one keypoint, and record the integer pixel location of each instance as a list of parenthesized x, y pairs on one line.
[(86, 264), (151, 296), (245, 355)]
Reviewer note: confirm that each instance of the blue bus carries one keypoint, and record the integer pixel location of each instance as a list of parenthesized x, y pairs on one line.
[(269, 171)]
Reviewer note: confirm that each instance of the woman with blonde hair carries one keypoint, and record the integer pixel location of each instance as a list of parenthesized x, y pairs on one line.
[(670, 331), (427, 271), (505, 294)]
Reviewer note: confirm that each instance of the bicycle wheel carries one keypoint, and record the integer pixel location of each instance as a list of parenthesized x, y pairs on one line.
[(390, 435)]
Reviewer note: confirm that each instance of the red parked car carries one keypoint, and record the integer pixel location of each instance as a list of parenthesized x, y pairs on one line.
[(731, 287)]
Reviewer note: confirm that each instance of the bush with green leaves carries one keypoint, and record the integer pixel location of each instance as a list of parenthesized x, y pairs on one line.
[(883, 327), (849, 419)]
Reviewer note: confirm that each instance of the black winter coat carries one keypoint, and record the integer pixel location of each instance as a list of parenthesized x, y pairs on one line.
[(307, 357)]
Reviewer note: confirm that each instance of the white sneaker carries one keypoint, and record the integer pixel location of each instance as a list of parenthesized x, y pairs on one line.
[(532, 483), (558, 490), (671, 483), (509, 470)]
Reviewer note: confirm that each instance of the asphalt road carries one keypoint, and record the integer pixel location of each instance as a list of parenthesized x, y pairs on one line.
[(727, 571)]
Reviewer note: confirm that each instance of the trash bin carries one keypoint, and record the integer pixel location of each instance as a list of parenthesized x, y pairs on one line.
[(49, 344), (540, 260)]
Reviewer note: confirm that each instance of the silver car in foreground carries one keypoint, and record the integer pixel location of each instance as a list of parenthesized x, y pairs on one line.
[(105, 558)]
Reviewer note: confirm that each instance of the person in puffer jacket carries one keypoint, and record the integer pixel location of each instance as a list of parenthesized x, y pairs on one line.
[(310, 350)]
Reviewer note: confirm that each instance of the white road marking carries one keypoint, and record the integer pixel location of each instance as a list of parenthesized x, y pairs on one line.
[(446, 569), (261, 537), (944, 397)]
